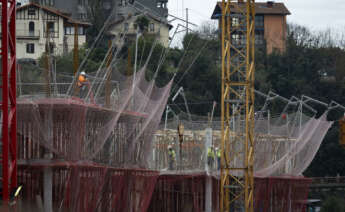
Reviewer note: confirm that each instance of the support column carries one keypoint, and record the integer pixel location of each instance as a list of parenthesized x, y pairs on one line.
[(208, 183), (208, 143), (208, 194), (48, 186)]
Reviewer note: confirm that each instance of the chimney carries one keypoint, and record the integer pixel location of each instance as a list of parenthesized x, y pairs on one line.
[(270, 4)]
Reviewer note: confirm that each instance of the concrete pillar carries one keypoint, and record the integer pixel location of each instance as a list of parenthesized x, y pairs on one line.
[(208, 194), (208, 183), (48, 186), (208, 143)]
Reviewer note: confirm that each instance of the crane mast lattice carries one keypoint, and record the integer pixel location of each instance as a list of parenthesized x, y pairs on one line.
[(237, 158)]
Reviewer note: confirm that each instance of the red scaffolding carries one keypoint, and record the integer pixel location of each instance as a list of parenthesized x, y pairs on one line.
[(8, 104)]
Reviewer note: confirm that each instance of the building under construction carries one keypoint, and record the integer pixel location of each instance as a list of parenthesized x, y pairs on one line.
[(101, 147)]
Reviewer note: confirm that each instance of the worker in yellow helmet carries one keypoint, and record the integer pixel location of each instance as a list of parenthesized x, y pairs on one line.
[(82, 82), (210, 157), (171, 157)]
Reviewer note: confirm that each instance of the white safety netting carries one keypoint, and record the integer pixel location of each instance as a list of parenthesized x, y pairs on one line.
[(285, 143)]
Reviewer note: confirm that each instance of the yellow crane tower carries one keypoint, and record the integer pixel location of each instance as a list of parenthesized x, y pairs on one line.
[(237, 158)]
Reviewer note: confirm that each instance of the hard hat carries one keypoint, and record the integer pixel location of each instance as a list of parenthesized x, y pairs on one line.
[(169, 147), (283, 116), (83, 73)]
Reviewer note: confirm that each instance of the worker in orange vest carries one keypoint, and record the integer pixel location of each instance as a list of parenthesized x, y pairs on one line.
[(82, 82)]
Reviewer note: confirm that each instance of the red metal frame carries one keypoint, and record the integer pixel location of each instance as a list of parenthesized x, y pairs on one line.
[(8, 104)]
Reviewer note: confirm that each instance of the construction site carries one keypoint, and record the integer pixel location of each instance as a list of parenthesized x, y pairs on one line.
[(106, 143)]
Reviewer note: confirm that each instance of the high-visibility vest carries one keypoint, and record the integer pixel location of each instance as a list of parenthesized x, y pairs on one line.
[(172, 154), (210, 153), (218, 153), (81, 80)]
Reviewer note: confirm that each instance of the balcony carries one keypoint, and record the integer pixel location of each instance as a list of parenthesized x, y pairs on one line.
[(26, 34)]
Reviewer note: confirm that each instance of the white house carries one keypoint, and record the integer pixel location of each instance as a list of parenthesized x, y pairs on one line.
[(36, 22), (129, 27)]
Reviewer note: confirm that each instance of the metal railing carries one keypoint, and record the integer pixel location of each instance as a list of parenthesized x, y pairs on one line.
[(328, 180), (28, 34)]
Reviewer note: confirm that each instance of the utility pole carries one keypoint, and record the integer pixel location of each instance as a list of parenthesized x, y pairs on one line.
[(187, 21)]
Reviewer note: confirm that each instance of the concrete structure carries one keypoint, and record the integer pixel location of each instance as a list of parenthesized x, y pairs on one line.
[(32, 22), (130, 27), (270, 24)]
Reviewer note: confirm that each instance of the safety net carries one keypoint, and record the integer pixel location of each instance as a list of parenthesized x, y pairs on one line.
[(97, 144), (285, 142), (74, 141)]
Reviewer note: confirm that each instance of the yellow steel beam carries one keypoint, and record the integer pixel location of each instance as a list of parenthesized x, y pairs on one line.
[(237, 148)]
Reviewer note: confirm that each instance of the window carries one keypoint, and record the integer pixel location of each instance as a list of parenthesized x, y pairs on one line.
[(125, 26), (235, 39), (123, 3), (82, 16), (235, 22), (259, 21), (50, 26), (31, 11), (81, 2), (81, 30), (152, 27), (243, 39), (259, 38), (30, 48), (161, 5), (31, 28), (69, 30), (47, 2)]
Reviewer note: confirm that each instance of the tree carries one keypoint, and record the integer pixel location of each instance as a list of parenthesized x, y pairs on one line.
[(333, 204)]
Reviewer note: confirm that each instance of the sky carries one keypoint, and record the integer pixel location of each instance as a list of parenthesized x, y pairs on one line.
[(315, 14)]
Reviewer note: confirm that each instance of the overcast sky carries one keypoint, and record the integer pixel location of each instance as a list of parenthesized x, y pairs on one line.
[(315, 14)]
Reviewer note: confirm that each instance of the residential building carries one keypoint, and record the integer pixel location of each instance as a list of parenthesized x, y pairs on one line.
[(125, 13), (76, 9), (157, 8), (36, 22), (130, 28), (270, 24), (128, 11)]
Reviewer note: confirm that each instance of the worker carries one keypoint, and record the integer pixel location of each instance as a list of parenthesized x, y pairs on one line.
[(218, 157), (210, 157), (171, 157), (82, 82)]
